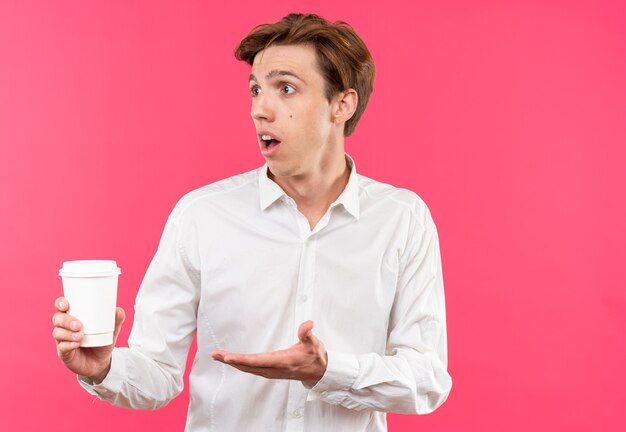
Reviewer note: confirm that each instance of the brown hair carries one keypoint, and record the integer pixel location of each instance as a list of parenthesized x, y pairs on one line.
[(344, 60)]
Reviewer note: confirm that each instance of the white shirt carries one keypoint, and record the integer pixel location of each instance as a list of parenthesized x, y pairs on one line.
[(239, 265)]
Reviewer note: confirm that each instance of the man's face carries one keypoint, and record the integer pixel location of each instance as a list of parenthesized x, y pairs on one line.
[(290, 111)]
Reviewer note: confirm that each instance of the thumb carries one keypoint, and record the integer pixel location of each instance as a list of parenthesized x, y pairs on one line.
[(120, 316), (305, 333)]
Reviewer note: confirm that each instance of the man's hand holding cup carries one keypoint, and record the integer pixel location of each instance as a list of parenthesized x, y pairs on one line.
[(86, 334)]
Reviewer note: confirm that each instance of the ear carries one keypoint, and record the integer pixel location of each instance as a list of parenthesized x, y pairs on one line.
[(344, 105)]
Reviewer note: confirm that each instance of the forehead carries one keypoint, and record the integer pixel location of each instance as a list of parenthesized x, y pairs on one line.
[(299, 59)]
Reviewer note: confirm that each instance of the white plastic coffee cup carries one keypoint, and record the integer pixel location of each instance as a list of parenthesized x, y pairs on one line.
[(90, 287)]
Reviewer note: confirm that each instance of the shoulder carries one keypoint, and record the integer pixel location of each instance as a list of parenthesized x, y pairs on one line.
[(226, 189), (394, 200)]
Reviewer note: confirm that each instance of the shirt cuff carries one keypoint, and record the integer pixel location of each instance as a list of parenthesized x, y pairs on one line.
[(112, 383), (341, 372)]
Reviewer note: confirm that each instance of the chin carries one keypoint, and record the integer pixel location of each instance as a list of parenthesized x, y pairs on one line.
[(280, 170)]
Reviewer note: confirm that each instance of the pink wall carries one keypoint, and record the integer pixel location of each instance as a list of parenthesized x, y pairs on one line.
[(508, 118)]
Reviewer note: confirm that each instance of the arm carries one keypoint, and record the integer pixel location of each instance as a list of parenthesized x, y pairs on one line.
[(149, 373), (411, 377)]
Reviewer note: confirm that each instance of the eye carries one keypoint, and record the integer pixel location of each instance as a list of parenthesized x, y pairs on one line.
[(255, 90), (287, 89)]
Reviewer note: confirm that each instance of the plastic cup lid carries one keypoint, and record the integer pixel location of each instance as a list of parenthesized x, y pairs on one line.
[(89, 268)]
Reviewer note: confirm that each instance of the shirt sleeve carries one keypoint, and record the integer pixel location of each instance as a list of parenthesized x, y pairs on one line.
[(149, 373), (411, 377)]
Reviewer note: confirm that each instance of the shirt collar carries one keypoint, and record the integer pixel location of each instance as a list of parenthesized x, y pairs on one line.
[(349, 198), (269, 191)]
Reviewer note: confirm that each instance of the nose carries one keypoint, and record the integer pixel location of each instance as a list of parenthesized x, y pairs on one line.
[(261, 108)]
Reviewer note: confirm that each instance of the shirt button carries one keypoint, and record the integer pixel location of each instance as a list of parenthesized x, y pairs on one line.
[(304, 298), (297, 413)]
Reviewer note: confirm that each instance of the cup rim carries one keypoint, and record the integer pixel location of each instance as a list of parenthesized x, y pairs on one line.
[(89, 268)]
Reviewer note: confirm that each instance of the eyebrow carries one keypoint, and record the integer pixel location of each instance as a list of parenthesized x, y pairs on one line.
[(276, 73)]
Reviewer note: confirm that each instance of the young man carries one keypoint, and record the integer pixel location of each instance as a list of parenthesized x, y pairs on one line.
[(250, 262)]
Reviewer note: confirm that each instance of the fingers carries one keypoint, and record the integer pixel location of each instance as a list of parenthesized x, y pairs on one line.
[(62, 319), (120, 316), (63, 335), (218, 355), (265, 372), (229, 359), (62, 304), (282, 358), (67, 330), (67, 334), (305, 333), (66, 350), (67, 342), (66, 321)]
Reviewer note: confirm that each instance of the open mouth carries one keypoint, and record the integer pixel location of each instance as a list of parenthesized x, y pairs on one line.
[(269, 141)]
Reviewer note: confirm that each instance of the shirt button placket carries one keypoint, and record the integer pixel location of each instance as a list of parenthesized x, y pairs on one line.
[(306, 281), (303, 312)]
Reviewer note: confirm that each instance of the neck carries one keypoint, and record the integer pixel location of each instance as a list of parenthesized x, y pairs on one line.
[(314, 192)]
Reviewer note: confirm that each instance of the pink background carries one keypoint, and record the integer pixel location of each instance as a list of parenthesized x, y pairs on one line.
[(508, 118)]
